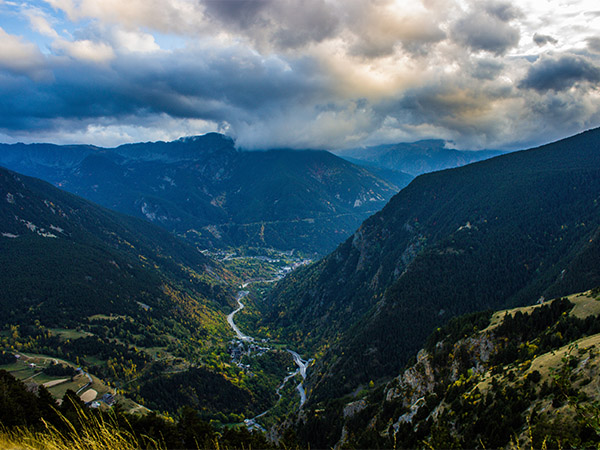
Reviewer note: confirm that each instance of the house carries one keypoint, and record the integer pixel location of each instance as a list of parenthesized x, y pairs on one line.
[(109, 399)]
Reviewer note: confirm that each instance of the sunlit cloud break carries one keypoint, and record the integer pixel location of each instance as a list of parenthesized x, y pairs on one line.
[(311, 73)]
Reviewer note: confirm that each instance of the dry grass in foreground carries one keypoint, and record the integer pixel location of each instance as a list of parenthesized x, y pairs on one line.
[(96, 434)]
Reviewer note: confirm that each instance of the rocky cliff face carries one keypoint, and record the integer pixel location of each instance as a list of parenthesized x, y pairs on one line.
[(497, 381)]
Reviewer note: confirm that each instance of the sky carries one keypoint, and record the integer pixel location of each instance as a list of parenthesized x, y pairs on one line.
[(299, 73)]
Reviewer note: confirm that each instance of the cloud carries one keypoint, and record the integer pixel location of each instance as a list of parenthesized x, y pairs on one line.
[(275, 24), (86, 50), (487, 30), (456, 107), (487, 69), (504, 11), (593, 44), (20, 57), (291, 73), (234, 85), (168, 16), (543, 39), (242, 13), (40, 24), (110, 132), (379, 31), (560, 73), (135, 41)]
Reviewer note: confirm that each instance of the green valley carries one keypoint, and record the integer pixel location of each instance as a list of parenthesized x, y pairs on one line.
[(139, 311)]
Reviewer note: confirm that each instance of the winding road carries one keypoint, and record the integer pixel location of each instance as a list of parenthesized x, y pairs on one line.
[(238, 298)]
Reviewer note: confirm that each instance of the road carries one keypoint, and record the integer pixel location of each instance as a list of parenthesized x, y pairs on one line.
[(90, 381), (239, 334)]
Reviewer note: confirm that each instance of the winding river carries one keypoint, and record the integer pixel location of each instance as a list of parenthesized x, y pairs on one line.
[(301, 363)]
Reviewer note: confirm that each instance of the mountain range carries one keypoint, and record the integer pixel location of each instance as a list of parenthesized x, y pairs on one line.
[(136, 306), (396, 324), (217, 196)]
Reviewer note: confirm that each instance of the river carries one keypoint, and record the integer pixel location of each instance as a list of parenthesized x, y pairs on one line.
[(302, 366), (301, 363)]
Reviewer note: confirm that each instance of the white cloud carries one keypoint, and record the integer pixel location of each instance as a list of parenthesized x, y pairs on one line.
[(40, 24), (135, 41), (111, 133), (86, 50), (21, 57), (171, 16)]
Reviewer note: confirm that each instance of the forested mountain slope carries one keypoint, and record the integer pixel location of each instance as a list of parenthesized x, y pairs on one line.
[(505, 231), (215, 195), (60, 251), (119, 296)]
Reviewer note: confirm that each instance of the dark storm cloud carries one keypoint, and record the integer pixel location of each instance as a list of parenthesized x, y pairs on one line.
[(543, 39), (559, 74), (487, 29), (504, 11), (279, 23), (240, 12), (229, 86), (487, 69)]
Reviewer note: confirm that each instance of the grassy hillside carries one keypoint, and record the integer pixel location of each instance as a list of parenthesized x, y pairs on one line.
[(520, 378), (34, 420)]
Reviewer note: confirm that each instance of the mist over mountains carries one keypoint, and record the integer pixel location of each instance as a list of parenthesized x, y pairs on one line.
[(415, 158)]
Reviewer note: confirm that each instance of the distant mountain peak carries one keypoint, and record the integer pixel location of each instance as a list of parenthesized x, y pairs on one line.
[(218, 195), (415, 158), (212, 136)]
